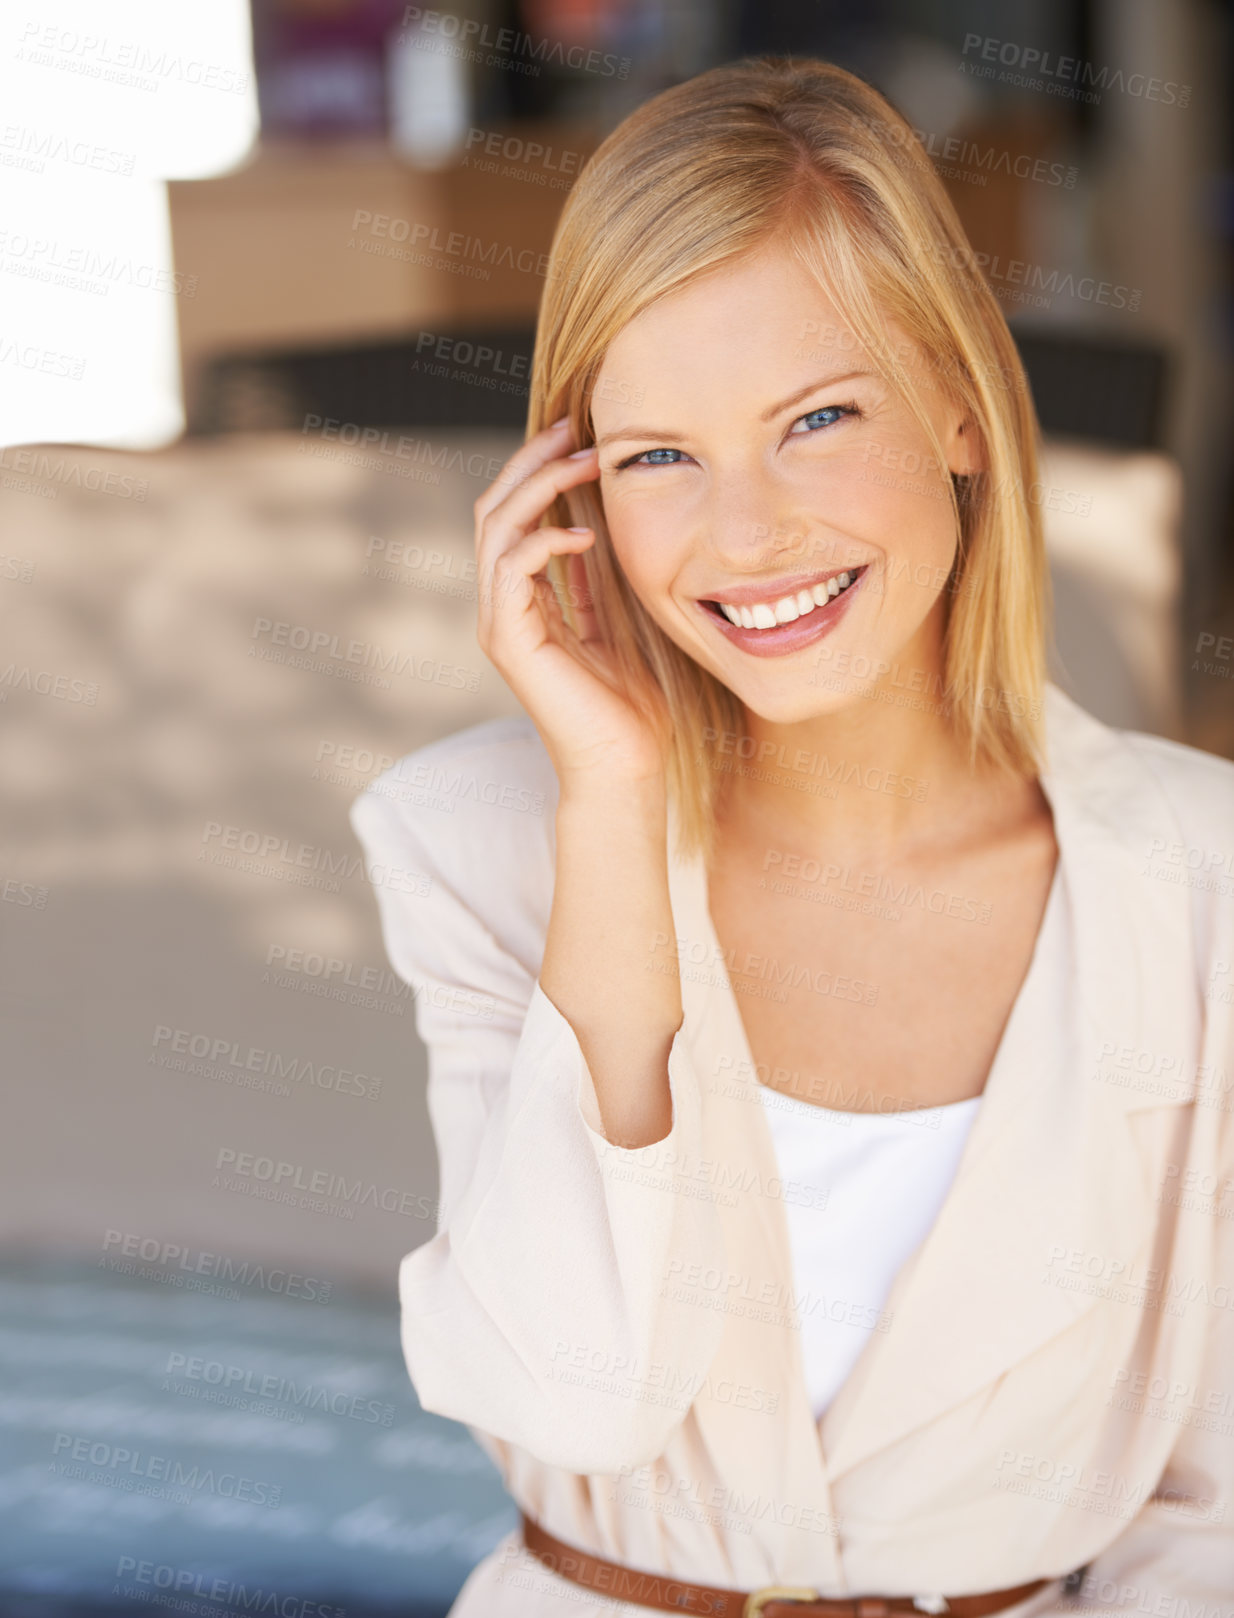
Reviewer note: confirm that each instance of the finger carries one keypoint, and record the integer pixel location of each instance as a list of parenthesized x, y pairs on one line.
[(509, 591), (522, 508), (585, 621), (522, 514), (538, 449)]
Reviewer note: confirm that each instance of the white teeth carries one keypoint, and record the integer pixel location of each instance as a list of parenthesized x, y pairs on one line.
[(767, 614)]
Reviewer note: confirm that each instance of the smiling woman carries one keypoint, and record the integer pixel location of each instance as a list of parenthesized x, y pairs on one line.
[(798, 1238), (793, 498)]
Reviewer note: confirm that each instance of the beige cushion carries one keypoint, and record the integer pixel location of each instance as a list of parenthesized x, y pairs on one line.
[(1111, 525)]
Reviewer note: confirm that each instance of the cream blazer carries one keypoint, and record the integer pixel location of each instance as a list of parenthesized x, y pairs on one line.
[(1050, 1386)]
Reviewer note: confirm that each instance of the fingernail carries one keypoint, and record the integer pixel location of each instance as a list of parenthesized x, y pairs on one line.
[(578, 530), (578, 454), (560, 423)]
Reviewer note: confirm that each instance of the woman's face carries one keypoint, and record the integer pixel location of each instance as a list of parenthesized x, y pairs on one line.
[(752, 459)]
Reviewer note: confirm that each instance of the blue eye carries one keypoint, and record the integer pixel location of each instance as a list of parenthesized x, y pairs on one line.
[(836, 412), (815, 420), (649, 457)]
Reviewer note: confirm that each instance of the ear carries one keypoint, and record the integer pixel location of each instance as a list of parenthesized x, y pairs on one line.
[(964, 445)]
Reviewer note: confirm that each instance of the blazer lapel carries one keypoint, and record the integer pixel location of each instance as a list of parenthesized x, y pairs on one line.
[(1051, 1165), (765, 1451)]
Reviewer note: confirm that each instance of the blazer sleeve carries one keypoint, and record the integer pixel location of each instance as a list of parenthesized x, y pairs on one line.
[(538, 1312), (1176, 1556)]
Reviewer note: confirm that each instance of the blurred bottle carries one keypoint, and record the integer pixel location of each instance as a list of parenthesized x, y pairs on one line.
[(428, 96)]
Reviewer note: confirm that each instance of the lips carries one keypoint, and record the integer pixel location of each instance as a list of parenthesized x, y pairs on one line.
[(795, 613)]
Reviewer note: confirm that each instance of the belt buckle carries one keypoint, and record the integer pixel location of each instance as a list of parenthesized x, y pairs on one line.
[(931, 1604), (758, 1599)]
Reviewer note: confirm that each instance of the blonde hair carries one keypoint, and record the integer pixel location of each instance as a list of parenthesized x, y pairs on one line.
[(804, 153)]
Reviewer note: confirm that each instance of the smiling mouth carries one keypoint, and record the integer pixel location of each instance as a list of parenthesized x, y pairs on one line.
[(776, 611)]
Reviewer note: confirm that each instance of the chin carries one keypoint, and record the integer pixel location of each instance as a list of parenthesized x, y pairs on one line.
[(813, 695)]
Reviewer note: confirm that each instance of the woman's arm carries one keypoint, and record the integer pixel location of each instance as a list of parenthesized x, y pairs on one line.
[(610, 965), (535, 1313)]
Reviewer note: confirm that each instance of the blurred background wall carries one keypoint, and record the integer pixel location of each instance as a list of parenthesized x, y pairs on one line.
[(269, 284)]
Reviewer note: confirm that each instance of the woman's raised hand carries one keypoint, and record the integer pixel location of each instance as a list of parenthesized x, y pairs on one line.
[(592, 733)]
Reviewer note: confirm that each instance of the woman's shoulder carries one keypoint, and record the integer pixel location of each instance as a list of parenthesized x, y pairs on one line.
[(492, 781), (1199, 785), (474, 811), (1145, 780)]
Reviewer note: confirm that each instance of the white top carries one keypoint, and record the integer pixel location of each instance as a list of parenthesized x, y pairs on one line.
[(878, 1181)]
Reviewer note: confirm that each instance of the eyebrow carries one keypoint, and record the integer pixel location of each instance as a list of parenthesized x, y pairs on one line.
[(668, 436)]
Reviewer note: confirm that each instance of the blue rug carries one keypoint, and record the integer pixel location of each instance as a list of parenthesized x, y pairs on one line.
[(228, 1449)]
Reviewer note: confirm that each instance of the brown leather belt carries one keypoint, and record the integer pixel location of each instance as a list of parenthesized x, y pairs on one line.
[(772, 1601)]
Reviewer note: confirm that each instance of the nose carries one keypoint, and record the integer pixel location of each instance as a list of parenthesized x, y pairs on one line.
[(751, 524)]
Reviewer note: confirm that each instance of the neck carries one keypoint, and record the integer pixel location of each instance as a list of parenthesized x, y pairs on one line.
[(881, 774)]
